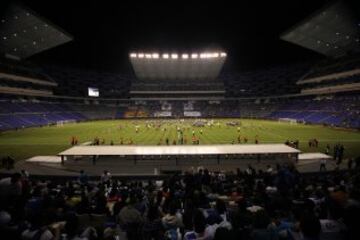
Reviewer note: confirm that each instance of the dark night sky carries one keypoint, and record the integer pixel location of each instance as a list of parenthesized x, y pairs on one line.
[(106, 31)]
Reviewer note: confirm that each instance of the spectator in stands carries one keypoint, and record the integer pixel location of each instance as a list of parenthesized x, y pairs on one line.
[(83, 177), (200, 231), (261, 224), (269, 169), (24, 174), (357, 163), (72, 230), (310, 227), (350, 163), (36, 228), (172, 219), (129, 217), (153, 228), (323, 165), (10, 187), (300, 206), (106, 177)]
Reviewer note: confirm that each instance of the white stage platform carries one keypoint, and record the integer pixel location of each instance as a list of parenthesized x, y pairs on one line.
[(313, 156), (44, 159), (174, 158), (143, 150)]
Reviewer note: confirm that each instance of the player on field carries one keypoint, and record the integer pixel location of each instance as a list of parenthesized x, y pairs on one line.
[(256, 139)]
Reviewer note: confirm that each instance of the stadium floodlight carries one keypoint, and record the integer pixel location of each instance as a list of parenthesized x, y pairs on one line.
[(194, 55), (203, 55), (141, 55), (165, 56), (155, 55), (174, 56), (223, 54), (133, 55), (185, 56), (148, 56), (215, 55)]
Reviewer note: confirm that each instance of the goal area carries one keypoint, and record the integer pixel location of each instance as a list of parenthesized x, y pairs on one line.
[(288, 120)]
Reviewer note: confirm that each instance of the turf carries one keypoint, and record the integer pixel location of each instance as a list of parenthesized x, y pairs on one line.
[(50, 140)]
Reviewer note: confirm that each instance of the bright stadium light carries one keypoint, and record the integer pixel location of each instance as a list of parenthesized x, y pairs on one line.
[(194, 55), (133, 55), (203, 55), (223, 54), (140, 55), (155, 55), (185, 56), (165, 56), (174, 56), (215, 55), (148, 56)]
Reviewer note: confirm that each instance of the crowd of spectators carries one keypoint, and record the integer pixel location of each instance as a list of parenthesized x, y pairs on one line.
[(281, 204)]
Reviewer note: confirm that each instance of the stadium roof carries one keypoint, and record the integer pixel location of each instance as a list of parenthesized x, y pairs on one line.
[(332, 31), (106, 31), (23, 33), (177, 67)]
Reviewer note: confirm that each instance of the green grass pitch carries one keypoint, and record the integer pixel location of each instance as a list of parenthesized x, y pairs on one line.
[(50, 140)]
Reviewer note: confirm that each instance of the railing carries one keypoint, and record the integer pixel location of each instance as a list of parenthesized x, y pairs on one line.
[(23, 91)]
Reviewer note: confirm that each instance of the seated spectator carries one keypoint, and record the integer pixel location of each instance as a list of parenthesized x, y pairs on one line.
[(262, 230), (37, 228), (128, 215), (200, 231), (10, 187), (83, 178), (310, 227), (152, 228), (172, 219), (106, 177), (71, 230), (219, 216)]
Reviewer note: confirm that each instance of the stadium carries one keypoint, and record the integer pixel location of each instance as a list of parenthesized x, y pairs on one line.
[(180, 121)]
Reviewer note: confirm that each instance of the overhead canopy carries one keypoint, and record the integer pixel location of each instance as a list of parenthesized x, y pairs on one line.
[(179, 150), (332, 31), (177, 67), (23, 33)]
